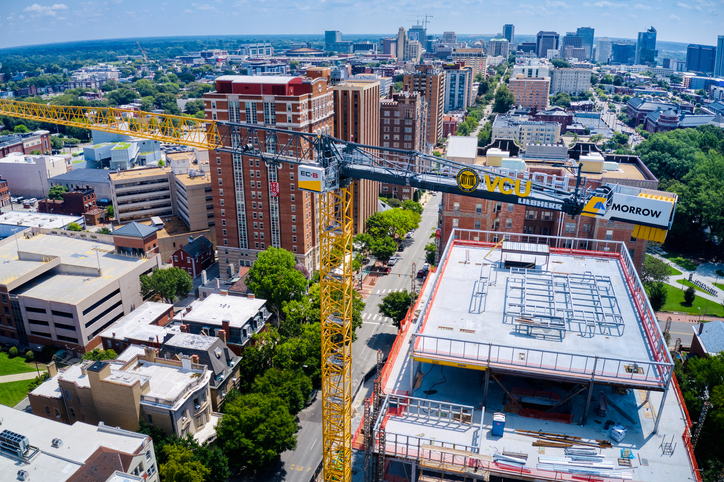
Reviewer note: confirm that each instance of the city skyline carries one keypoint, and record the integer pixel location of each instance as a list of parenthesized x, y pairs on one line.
[(675, 21)]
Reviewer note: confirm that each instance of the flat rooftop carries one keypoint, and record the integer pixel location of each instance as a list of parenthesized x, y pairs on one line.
[(26, 219), (36, 278), (216, 308), (438, 409), (83, 175), (138, 173), (80, 441), (197, 180), (555, 319), (137, 325)]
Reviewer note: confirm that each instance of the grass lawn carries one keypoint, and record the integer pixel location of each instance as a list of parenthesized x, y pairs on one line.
[(686, 282), (12, 393), (11, 366), (675, 302), (672, 271), (719, 285), (685, 263)]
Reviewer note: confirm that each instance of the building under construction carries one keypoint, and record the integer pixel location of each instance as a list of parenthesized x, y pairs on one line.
[(528, 360)]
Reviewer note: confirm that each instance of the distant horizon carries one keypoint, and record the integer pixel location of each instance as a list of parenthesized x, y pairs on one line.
[(316, 36), (26, 23)]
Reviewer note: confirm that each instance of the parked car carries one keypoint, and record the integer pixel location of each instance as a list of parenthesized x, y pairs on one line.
[(422, 273), (311, 398), (392, 261), (409, 235)]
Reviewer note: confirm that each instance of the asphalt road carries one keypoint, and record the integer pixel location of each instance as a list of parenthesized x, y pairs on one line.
[(376, 333), (680, 329)]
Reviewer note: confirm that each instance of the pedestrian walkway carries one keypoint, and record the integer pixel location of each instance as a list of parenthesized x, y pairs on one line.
[(375, 318), (19, 377), (705, 273)]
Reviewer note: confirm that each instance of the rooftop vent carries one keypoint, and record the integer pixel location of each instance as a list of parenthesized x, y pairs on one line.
[(23, 475), (57, 443)]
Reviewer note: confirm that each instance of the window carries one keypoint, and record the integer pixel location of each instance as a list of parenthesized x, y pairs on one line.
[(256, 226), (67, 395), (256, 245), (478, 209), (508, 223), (294, 239), (221, 193), (293, 197), (226, 242), (545, 231), (294, 208), (221, 182), (498, 207), (633, 240), (477, 224), (528, 229), (72, 412), (221, 202), (253, 215), (456, 221), (291, 176), (609, 234), (570, 227), (586, 228), (294, 218), (218, 171), (150, 419), (291, 187), (456, 207), (223, 231), (251, 174), (530, 214), (223, 222), (511, 207), (294, 228)]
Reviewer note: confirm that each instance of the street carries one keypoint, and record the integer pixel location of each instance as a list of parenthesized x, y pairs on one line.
[(376, 333)]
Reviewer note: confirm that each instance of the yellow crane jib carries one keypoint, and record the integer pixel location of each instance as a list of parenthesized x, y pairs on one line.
[(174, 129)]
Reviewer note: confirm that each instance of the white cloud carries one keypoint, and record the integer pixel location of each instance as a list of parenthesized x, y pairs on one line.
[(674, 17), (36, 10), (204, 6), (556, 4), (641, 6), (685, 5)]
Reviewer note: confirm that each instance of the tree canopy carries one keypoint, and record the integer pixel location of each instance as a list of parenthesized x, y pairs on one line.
[(56, 192), (395, 305), (504, 99), (274, 278), (255, 429), (98, 354), (181, 466), (169, 284)]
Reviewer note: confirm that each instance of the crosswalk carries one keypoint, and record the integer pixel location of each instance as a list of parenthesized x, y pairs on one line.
[(375, 318), (382, 292)]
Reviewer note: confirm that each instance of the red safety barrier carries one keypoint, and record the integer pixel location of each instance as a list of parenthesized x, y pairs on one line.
[(686, 436)]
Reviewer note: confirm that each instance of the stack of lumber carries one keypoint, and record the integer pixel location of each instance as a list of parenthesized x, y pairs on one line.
[(599, 467), (546, 439)]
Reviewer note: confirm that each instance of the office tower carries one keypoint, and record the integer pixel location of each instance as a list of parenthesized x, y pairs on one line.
[(719, 61), (449, 38), (251, 213), (700, 58), (668, 63), (623, 52), (571, 39), (419, 33), (401, 43), (509, 32), (603, 50), (545, 41), (474, 58), (498, 46), (587, 34), (357, 119), (429, 81), (331, 37), (646, 48), (458, 87), (530, 93), (571, 52), (389, 46)]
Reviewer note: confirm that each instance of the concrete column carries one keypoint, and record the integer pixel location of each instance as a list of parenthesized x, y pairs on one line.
[(588, 402), (413, 473), (485, 389)]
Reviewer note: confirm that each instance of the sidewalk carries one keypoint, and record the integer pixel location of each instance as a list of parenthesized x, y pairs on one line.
[(19, 377), (705, 273)]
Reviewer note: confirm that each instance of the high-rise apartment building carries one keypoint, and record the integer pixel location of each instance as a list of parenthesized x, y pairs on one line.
[(545, 41), (571, 81), (623, 52), (646, 48), (719, 60), (530, 93), (474, 58), (700, 58), (603, 50), (498, 47), (403, 125), (509, 32), (357, 119), (586, 33), (249, 214), (571, 39), (408, 49), (458, 87), (419, 33), (429, 81)]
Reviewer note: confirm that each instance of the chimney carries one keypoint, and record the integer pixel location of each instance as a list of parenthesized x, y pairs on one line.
[(150, 353), (183, 328), (52, 369), (251, 296), (225, 326), (392, 90), (186, 362), (204, 278), (701, 327), (195, 359), (218, 286), (83, 369), (222, 335)]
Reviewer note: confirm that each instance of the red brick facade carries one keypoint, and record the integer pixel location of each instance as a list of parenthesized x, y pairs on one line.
[(193, 265)]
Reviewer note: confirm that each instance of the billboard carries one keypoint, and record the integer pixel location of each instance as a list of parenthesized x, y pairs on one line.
[(311, 178)]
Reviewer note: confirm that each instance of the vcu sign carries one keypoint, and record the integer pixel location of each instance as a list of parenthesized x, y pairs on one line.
[(468, 181)]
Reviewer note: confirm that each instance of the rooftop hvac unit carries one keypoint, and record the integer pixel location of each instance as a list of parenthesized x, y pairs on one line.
[(23, 475), (57, 442), (14, 443)]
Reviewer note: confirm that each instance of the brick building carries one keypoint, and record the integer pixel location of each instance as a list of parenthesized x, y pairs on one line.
[(403, 125), (4, 194), (194, 257), (248, 216), (555, 114), (356, 119), (472, 213), (530, 93), (25, 143), (429, 81)]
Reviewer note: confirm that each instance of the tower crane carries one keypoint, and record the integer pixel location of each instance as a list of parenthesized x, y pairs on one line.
[(326, 166)]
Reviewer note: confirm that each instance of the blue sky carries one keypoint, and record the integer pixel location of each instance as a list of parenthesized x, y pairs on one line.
[(27, 22)]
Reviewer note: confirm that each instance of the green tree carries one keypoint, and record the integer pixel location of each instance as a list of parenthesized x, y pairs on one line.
[(110, 85), (393, 222), (483, 87), (56, 143), (657, 295), (274, 278), (182, 466), (74, 227), (395, 305), (194, 106), (255, 429), (98, 354), (110, 212), (292, 386), (411, 205), (689, 295), (430, 253), (145, 87), (504, 99), (560, 63), (21, 129), (169, 284), (562, 99), (104, 230), (122, 96), (56, 192), (654, 271)]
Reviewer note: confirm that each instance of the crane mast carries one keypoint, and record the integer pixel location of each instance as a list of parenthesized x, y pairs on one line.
[(326, 166)]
